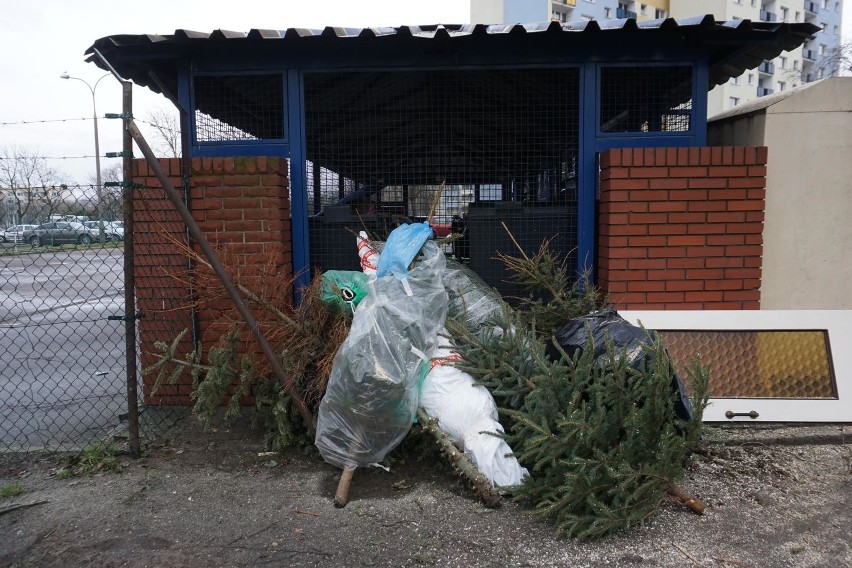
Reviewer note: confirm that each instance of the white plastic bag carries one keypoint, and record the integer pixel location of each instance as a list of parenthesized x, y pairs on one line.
[(468, 415)]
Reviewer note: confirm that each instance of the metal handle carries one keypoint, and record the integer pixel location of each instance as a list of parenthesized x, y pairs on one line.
[(752, 414)]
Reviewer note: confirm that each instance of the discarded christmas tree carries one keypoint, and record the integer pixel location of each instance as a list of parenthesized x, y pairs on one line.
[(599, 437), (306, 335)]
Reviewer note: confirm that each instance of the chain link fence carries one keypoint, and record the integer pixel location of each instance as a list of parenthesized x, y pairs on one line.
[(63, 376)]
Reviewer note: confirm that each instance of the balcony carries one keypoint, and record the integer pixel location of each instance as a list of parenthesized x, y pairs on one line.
[(766, 68), (568, 3), (767, 16), (809, 55), (763, 91), (625, 13)]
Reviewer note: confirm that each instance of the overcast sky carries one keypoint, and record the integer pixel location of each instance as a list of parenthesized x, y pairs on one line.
[(43, 38), (40, 39)]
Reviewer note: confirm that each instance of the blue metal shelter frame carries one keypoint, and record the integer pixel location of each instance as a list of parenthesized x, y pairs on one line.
[(713, 51)]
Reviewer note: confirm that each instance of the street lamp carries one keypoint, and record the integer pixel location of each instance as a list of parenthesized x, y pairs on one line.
[(65, 75)]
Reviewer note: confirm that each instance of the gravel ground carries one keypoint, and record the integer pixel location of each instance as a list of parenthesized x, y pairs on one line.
[(775, 496)]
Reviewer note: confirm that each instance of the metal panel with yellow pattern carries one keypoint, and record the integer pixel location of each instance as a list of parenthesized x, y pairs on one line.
[(757, 364)]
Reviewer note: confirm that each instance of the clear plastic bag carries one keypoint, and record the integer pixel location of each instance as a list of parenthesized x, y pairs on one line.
[(374, 387), (473, 303)]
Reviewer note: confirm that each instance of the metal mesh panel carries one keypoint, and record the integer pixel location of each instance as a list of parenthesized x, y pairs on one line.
[(646, 99), (499, 145), (246, 107)]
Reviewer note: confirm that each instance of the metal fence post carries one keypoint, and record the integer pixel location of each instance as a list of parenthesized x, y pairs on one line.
[(129, 279)]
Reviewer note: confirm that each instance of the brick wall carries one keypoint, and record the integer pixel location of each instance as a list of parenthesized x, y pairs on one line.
[(242, 205), (681, 228)]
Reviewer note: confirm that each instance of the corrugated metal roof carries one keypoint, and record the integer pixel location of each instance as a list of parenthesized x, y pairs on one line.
[(732, 46)]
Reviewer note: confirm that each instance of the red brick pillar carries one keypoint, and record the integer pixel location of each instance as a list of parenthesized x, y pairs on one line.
[(682, 228), (243, 207)]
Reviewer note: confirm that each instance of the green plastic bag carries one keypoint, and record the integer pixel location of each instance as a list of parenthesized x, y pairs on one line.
[(342, 290)]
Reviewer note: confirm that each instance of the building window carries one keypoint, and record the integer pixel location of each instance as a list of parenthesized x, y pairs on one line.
[(823, 25), (798, 16), (836, 29), (607, 13), (782, 62), (822, 49), (734, 80), (796, 64), (751, 78), (643, 9), (785, 13), (825, 4), (781, 86), (821, 73), (837, 7), (733, 101), (659, 14)]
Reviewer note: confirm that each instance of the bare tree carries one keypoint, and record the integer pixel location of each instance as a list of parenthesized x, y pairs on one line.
[(837, 61), (30, 187), (112, 205), (166, 124)]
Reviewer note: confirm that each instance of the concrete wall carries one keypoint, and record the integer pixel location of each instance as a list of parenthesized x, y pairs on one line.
[(807, 257)]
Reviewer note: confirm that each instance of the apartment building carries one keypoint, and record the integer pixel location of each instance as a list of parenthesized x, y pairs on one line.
[(526, 11), (816, 59)]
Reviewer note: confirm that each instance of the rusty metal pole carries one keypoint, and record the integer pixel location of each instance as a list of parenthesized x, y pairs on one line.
[(201, 241), (129, 276)]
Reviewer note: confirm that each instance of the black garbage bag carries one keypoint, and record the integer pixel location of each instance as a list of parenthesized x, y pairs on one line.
[(624, 336)]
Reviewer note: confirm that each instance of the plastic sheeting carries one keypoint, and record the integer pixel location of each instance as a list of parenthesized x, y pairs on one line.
[(473, 303)]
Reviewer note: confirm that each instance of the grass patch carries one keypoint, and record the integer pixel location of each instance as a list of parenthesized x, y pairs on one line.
[(95, 458), (11, 489)]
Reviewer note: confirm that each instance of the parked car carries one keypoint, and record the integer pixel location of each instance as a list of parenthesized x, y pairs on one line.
[(15, 233), (59, 232), (111, 233), (117, 229)]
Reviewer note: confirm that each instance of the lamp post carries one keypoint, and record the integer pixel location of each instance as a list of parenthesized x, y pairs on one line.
[(98, 190)]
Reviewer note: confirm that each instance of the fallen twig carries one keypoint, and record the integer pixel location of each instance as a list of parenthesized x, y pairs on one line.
[(11, 508), (688, 555), (682, 496)]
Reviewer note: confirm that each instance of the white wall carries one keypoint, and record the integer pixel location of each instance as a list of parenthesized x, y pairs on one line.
[(807, 236)]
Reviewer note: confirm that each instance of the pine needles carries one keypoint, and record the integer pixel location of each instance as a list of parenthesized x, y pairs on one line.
[(599, 437), (232, 372)]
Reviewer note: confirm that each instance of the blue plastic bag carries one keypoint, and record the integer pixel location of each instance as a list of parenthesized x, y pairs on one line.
[(402, 246)]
